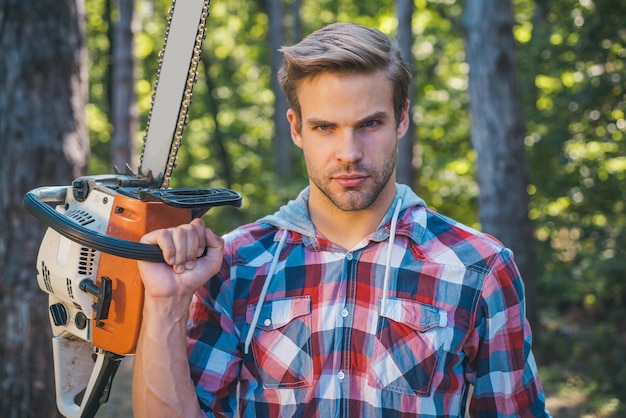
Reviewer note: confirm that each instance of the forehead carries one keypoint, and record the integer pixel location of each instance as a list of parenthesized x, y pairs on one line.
[(330, 96)]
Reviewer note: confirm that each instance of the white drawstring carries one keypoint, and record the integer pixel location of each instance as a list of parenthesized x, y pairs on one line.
[(392, 237), (266, 284)]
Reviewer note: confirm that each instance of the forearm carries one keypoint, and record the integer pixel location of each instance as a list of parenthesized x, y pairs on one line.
[(162, 386)]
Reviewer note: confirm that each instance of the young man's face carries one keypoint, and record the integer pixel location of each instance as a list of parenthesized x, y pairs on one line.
[(349, 137)]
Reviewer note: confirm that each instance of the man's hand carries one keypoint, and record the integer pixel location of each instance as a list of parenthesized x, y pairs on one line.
[(184, 271), (162, 386)]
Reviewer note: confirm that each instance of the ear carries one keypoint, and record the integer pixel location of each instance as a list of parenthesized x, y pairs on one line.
[(403, 122), (294, 127)]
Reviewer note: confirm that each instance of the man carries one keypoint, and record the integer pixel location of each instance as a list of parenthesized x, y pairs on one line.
[(353, 300)]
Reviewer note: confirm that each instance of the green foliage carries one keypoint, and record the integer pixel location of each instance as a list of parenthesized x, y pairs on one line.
[(100, 128), (446, 172), (233, 106), (575, 102)]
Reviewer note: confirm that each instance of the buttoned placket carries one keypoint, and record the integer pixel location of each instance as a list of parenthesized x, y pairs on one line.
[(347, 321)]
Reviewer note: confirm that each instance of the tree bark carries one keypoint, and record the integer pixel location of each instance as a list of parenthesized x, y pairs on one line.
[(497, 132), (124, 115), (283, 161), (296, 32), (405, 168), (43, 138)]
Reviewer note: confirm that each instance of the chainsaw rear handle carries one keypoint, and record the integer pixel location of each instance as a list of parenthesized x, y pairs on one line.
[(38, 202)]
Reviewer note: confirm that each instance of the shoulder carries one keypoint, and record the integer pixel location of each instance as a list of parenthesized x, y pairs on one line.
[(249, 241), (448, 241)]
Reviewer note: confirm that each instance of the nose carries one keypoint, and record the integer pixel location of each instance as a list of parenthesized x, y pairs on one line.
[(349, 148)]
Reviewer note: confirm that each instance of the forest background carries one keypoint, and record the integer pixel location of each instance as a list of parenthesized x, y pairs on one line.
[(571, 80)]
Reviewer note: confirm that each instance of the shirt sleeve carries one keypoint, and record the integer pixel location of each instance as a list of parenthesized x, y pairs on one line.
[(212, 345), (501, 364)]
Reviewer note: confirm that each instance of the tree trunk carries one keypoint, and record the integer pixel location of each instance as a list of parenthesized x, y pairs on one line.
[(124, 115), (497, 132), (405, 168), (282, 138), (296, 32), (44, 141)]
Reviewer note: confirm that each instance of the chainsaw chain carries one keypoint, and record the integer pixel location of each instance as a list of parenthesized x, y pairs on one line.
[(186, 101)]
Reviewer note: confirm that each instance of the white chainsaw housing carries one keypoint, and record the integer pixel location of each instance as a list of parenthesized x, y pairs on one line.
[(62, 264), (73, 381)]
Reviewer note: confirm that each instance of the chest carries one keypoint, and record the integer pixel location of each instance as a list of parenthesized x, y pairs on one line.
[(341, 295)]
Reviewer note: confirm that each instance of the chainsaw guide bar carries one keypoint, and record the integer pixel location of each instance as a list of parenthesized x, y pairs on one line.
[(172, 91)]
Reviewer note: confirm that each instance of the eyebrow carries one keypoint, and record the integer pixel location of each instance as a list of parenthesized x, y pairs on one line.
[(316, 121), (376, 115)]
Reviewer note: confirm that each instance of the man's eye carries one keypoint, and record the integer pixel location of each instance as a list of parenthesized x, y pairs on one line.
[(322, 127), (371, 123)]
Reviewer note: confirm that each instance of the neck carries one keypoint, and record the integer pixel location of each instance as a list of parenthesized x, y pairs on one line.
[(347, 228)]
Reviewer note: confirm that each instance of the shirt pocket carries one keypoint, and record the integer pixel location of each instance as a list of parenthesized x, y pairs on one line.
[(407, 347), (282, 342)]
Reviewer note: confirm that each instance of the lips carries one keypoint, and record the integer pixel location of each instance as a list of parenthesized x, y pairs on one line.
[(349, 181)]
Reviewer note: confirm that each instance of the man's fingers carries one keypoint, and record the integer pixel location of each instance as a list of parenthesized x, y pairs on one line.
[(199, 226), (179, 236), (182, 245), (193, 245), (162, 238)]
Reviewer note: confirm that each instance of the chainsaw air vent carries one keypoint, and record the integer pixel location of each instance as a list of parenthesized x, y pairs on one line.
[(80, 216), (45, 272), (86, 261)]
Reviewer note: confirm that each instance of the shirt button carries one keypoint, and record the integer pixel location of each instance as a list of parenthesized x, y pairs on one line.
[(344, 312), (341, 375), (267, 322), (349, 256)]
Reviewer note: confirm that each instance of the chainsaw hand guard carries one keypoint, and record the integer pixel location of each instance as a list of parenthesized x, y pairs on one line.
[(37, 200), (38, 203)]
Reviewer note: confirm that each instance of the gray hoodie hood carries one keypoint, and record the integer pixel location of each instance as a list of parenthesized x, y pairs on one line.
[(294, 216)]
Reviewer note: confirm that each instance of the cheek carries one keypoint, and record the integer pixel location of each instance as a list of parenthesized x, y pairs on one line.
[(317, 160), (380, 144), (312, 170), (314, 150), (311, 156)]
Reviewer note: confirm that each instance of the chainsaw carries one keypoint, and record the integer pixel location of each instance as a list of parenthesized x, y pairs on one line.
[(87, 258)]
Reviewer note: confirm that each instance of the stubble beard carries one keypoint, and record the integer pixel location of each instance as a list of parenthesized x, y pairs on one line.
[(353, 199)]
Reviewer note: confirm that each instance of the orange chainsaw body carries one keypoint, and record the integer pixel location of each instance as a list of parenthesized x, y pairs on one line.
[(130, 219)]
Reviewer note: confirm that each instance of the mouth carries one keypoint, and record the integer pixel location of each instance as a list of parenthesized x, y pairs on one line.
[(350, 181)]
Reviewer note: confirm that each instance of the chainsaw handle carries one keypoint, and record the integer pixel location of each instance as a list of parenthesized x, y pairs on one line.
[(38, 202)]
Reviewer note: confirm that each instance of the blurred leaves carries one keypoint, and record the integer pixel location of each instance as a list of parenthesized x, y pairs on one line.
[(575, 96)]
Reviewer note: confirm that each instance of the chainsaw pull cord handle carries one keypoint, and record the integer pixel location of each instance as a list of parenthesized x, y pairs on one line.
[(38, 201)]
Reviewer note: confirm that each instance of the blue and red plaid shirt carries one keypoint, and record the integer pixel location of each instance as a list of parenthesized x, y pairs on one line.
[(329, 341)]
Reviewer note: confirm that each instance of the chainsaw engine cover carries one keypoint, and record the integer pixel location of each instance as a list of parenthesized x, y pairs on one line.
[(95, 296)]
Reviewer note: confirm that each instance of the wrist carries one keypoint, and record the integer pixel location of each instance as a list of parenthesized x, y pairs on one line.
[(170, 309)]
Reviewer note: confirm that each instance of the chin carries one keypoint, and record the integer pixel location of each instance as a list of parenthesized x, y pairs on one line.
[(352, 200)]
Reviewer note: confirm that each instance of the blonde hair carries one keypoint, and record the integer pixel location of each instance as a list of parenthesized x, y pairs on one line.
[(344, 48)]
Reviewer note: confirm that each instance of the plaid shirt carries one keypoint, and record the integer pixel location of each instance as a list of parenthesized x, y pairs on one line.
[(324, 347)]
